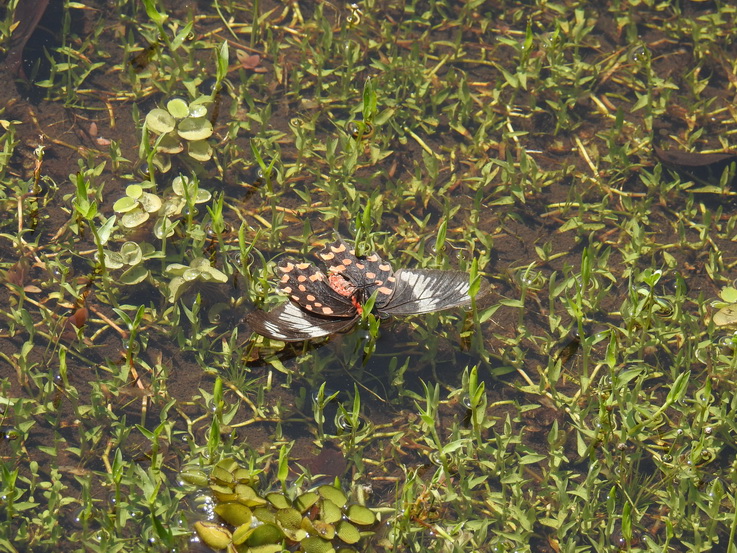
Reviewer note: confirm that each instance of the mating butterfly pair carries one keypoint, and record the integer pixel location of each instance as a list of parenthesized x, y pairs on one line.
[(326, 304)]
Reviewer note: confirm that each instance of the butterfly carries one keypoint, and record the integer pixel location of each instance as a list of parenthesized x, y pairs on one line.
[(324, 303)]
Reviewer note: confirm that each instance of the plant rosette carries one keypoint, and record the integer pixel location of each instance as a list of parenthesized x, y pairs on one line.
[(198, 271), (131, 255), (181, 123), (137, 205), (184, 191)]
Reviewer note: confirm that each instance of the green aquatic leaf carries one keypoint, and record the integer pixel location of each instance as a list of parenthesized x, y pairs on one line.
[(160, 121)]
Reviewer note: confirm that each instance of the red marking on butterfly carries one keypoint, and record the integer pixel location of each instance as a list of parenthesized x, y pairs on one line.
[(322, 304)]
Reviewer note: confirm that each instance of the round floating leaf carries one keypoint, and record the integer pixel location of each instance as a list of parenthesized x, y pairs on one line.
[(201, 150), (131, 253), (213, 535), (125, 204), (179, 184), (726, 316), (160, 121), (330, 512), (197, 109), (150, 202), (202, 196), (164, 227), (191, 274), (314, 544), (112, 260), (306, 500), (242, 533), (162, 163), (134, 275), (278, 500), (195, 128), (359, 514), (134, 218), (134, 191), (234, 513), (347, 532), (265, 534), (333, 494), (196, 477), (169, 143), (729, 294), (178, 108), (214, 275)]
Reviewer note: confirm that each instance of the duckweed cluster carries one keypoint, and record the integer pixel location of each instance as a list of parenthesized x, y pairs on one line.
[(320, 520)]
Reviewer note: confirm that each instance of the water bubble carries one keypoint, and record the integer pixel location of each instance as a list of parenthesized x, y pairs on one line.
[(639, 54), (667, 458), (352, 128), (708, 430), (466, 400)]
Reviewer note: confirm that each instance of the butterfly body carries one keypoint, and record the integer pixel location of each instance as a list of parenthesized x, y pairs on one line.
[(323, 304)]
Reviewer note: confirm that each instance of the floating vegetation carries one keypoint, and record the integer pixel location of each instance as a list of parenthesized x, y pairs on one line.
[(319, 520)]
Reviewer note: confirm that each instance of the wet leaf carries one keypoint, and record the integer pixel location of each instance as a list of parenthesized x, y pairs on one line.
[(359, 514), (306, 500), (242, 533), (289, 519), (125, 204), (178, 108), (330, 512), (219, 474), (196, 477), (201, 150), (248, 496), (212, 534), (333, 494), (316, 544), (160, 121), (195, 128), (265, 534), (169, 143), (278, 500), (726, 316), (347, 532), (234, 513), (134, 275), (134, 218), (150, 202)]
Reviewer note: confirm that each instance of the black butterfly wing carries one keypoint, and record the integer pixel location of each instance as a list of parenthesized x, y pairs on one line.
[(367, 273), (426, 290), (309, 287), (291, 323)]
